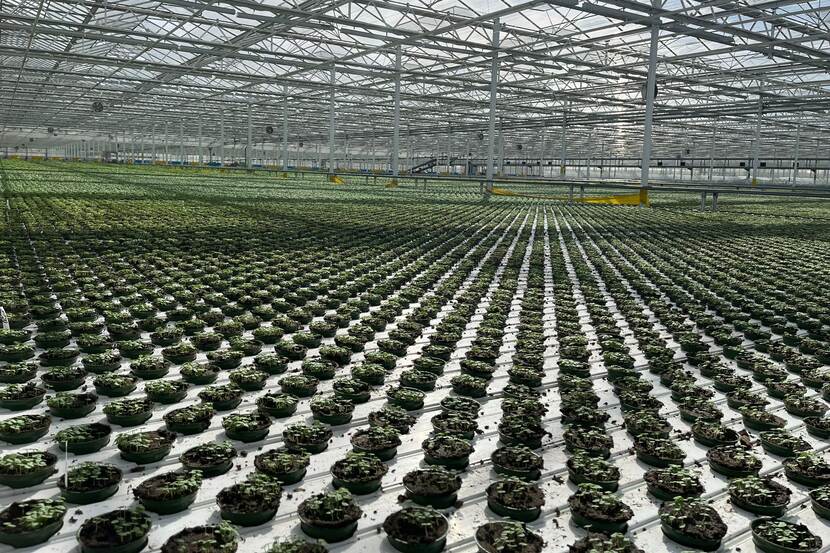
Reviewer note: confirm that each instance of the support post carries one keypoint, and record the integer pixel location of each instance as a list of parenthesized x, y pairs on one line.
[(703, 201), (285, 128), (651, 83), (221, 137), (797, 147), (201, 159), (712, 149), (396, 120), (181, 143), (249, 148), (491, 126), (756, 147), (714, 201), (331, 124), (564, 145), (153, 138)]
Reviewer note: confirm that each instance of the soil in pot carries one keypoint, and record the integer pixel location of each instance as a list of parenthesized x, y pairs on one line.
[(584, 469), (693, 523), (83, 438), (71, 406), (434, 487), (247, 427), (417, 530), (329, 516), (31, 522), (24, 429), (515, 498), (211, 459), (170, 492), (360, 473), (733, 461), (312, 438), (252, 502), (277, 404), (145, 447), (288, 467), (218, 538), (381, 441), (780, 536), (601, 543), (28, 468), (591, 441), (447, 450), (596, 509), (809, 469), (89, 483), (192, 419), (713, 434), (121, 531), (518, 461), (508, 537), (674, 481), (762, 496)]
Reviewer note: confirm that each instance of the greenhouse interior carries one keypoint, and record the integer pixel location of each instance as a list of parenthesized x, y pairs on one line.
[(310, 276)]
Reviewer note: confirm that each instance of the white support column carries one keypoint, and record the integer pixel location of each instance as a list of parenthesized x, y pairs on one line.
[(331, 121), (249, 147), (491, 125), (542, 153), (166, 134), (797, 148), (651, 83), (201, 158), (712, 149), (564, 145), (181, 143), (756, 146), (500, 164), (153, 139), (374, 152), (395, 159), (221, 136), (285, 128)]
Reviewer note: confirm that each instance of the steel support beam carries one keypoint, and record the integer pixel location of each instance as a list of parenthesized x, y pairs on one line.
[(651, 82), (491, 125), (396, 119)]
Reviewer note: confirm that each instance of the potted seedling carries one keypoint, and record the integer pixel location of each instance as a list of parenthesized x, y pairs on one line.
[(773, 535), (248, 378), (657, 451), (119, 531), (358, 472), (217, 538), (381, 441), (192, 419), (762, 496), (31, 522), (518, 461), (288, 467), (713, 434), (84, 438), (584, 469), (516, 499), (166, 391), (129, 412), (148, 367), (519, 431), (393, 417), (820, 500), (299, 385), (458, 424), (759, 419), (802, 406), (292, 350), (18, 373), (18, 397), (507, 537), (199, 373), (297, 546), (434, 487), (693, 523), (447, 450), (59, 358), (469, 386), (115, 385), (694, 410), (277, 404), (783, 443), (271, 363), (429, 364), (225, 359), (818, 426), (809, 469), (370, 373), (674, 481), (591, 441), (352, 390), (463, 405), (210, 459), (247, 427), (313, 438), (24, 429), (183, 352), (329, 516), (331, 409), (145, 447), (223, 398), (87, 483), (416, 530), (585, 416), (71, 406), (252, 502), (170, 492), (406, 398), (594, 508), (646, 422), (28, 468), (15, 353), (733, 461), (62, 379), (600, 543)]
